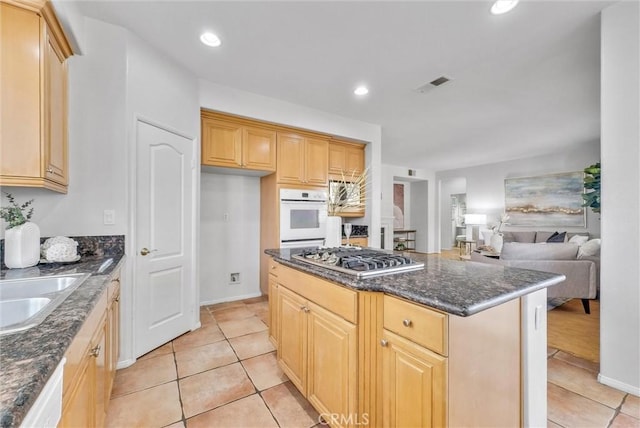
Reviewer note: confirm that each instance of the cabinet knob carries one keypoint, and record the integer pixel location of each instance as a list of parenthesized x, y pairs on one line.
[(384, 342), (304, 309), (95, 352), (50, 170), (273, 266), (407, 322)]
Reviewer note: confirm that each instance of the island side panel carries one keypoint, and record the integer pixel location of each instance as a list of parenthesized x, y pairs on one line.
[(370, 316), (484, 368)]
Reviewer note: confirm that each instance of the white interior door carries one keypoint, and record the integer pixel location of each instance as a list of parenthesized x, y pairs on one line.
[(164, 283)]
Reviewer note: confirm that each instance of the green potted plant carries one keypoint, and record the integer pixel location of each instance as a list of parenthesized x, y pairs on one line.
[(22, 237), (591, 193)]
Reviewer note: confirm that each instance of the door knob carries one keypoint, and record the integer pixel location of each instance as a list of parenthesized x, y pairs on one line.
[(146, 251)]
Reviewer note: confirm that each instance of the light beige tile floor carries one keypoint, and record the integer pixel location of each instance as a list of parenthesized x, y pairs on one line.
[(576, 399), (225, 375), (222, 375)]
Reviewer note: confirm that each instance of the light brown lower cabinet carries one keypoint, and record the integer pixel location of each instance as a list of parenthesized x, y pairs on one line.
[(91, 362), (317, 350), (413, 384), (370, 359)]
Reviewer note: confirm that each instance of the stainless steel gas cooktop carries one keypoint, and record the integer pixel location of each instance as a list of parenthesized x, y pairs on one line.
[(359, 262)]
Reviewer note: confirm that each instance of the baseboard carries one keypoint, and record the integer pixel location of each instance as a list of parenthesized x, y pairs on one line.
[(125, 363), (231, 299), (619, 385)]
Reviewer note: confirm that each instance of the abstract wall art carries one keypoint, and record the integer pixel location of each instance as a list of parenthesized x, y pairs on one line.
[(546, 200)]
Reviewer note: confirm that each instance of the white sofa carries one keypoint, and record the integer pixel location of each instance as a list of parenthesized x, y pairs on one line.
[(523, 250)]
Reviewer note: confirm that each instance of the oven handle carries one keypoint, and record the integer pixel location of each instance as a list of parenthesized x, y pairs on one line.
[(303, 201)]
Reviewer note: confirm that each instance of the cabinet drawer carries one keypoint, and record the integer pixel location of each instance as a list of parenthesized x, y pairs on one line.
[(417, 323), (273, 267), (333, 297)]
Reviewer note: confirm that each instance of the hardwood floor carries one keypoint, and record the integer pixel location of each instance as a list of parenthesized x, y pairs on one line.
[(571, 330)]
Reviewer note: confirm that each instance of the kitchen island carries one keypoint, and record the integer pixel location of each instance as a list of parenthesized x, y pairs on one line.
[(452, 344)]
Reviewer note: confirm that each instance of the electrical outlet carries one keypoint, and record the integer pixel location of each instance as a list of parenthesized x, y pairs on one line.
[(234, 278), (226, 216)]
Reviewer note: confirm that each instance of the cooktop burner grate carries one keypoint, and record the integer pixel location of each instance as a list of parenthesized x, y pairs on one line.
[(357, 261)]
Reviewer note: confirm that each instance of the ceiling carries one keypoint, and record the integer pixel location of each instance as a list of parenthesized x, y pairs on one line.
[(523, 84)]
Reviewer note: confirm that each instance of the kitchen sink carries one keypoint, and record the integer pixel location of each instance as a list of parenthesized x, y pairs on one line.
[(19, 310), (25, 303), (23, 288)]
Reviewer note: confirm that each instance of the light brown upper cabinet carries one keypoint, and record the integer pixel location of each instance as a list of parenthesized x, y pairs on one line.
[(302, 160), (33, 82), (230, 144), (345, 158)]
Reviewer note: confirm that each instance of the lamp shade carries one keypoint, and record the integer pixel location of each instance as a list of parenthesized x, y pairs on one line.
[(477, 219)]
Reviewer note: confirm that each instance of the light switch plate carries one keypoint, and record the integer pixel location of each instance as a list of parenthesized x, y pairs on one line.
[(109, 217)]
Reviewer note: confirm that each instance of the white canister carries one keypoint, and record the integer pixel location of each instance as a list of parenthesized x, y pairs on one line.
[(333, 234), (22, 246)]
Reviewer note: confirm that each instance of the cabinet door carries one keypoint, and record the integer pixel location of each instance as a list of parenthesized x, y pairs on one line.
[(19, 92), (221, 143), (99, 355), (273, 310), (332, 382), (113, 343), (55, 111), (336, 159), (292, 336), (354, 160), (413, 384), (316, 161), (290, 159), (259, 149), (79, 409)]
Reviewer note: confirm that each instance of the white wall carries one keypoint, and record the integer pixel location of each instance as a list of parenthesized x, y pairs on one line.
[(448, 187), (231, 245), (235, 101), (97, 142), (620, 271), (485, 183), (393, 173), (117, 77)]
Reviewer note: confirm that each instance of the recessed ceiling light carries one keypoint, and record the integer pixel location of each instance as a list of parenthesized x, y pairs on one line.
[(361, 90), (503, 6), (210, 39)]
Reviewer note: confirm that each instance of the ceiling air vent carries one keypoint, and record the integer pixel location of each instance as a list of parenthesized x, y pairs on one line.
[(434, 83)]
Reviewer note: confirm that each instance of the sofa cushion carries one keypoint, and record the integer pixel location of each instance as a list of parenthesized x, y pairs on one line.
[(589, 248), (579, 239), (541, 251), (519, 236), (557, 237), (543, 236)]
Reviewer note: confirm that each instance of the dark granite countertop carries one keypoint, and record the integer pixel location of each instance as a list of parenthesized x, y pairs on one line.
[(460, 288), (28, 358)]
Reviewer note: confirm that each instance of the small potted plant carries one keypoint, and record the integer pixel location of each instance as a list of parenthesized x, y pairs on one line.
[(22, 237)]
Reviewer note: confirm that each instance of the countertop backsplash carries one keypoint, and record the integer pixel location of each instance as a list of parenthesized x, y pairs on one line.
[(357, 230), (88, 246)]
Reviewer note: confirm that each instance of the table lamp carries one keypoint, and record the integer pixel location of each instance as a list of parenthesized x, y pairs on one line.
[(473, 220)]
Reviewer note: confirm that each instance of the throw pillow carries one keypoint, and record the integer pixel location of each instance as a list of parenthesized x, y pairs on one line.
[(579, 239), (589, 248), (557, 237)]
